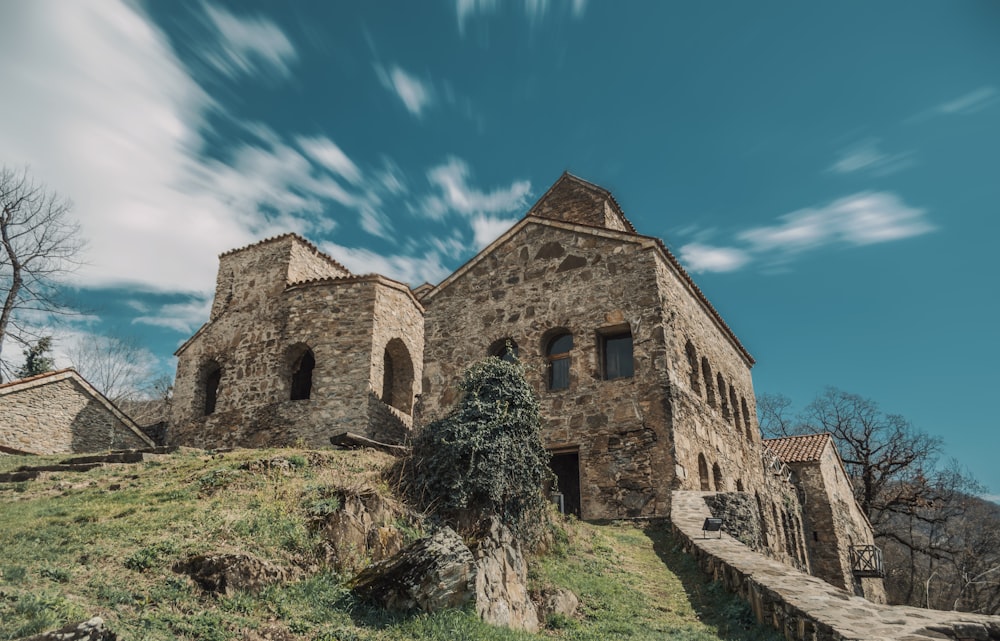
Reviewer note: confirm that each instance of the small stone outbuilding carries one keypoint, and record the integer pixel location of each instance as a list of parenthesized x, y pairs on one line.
[(835, 526), (60, 412)]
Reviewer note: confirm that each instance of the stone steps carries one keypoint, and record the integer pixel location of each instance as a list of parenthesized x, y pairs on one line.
[(85, 463)]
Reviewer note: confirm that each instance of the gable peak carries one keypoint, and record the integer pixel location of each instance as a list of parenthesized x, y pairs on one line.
[(575, 200)]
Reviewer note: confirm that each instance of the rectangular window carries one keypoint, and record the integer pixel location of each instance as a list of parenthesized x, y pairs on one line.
[(559, 373), (616, 352)]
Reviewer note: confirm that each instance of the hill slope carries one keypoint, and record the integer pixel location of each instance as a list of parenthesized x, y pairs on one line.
[(103, 542)]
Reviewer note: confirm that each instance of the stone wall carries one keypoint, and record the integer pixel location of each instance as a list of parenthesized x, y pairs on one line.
[(549, 277), (833, 523), (803, 607), (57, 414), (257, 341)]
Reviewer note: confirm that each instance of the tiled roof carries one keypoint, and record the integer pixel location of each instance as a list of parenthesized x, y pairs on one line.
[(799, 449)]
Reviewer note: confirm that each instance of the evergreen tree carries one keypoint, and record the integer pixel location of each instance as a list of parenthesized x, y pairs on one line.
[(37, 358)]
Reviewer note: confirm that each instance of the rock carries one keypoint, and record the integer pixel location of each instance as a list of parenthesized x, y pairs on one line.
[(431, 574), (502, 581), (225, 573), (361, 531), (558, 601), (91, 630)]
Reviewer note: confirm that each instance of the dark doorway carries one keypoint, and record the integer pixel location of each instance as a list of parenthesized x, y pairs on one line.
[(566, 467)]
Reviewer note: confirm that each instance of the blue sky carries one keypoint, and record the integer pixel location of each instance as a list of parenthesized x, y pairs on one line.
[(828, 173)]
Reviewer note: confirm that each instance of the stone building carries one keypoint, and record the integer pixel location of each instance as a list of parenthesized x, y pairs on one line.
[(297, 348), (835, 527), (644, 389), (60, 412)]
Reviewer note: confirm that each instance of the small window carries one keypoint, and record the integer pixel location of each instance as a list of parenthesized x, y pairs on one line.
[(616, 354), (505, 349), (302, 372), (213, 377), (558, 354), (706, 370), (692, 357)]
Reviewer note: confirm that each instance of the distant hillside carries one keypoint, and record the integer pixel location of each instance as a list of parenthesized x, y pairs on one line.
[(104, 542)]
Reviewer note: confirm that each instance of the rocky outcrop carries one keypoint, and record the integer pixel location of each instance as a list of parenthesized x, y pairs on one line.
[(226, 573), (363, 530), (558, 601), (90, 630), (442, 572), (431, 574), (502, 581)]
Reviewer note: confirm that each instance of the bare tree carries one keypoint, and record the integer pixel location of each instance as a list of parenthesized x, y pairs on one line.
[(887, 457), (40, 244), (774, 416), (118, 367)]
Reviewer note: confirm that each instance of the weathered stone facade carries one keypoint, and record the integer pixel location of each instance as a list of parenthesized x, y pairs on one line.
[(643, 388), (834, 523), (296, 349), (61, 412)]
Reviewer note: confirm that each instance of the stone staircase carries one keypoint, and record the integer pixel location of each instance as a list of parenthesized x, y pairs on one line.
[(84, 463)]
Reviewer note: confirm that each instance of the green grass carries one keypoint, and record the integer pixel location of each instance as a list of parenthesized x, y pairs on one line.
[(103, 543)]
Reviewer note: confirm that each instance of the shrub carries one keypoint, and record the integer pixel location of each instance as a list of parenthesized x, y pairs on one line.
[(486, 456)]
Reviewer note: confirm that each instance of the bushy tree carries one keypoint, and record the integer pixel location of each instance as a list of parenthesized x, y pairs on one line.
[(486, 456), (37, 358)]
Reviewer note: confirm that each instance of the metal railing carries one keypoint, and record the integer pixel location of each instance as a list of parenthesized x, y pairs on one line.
[(866, 561)]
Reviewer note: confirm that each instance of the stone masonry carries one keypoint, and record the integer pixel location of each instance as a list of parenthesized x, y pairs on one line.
[(644, 389), (59, 412)]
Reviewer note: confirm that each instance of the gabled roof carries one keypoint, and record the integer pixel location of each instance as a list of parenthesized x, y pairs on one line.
[(605, 232), (800, 449), (574, 191), (48, 378)]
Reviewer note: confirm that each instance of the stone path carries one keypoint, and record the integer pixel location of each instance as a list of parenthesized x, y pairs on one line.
[(804, 607)]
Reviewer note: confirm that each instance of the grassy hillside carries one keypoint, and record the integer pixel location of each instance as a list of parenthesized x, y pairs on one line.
[(102, 542)]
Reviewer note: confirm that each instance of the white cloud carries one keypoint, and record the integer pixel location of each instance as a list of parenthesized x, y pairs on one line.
[(412, 270), (860, 219), (971, 102), (865, 218), (182, 317), (486, 229), (328, 154), (706, 258), (248, 45), (456, 195), (415, 94), (866, 156)]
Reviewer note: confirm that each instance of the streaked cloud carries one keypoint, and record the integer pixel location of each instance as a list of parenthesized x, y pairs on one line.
[(867, 157), (415, 94), (327, 153), (183, 317), (410, 269), (248, 45), (534, 10), (486, 229), (865, 218), (971, 102), (707, 258), (454, 194)]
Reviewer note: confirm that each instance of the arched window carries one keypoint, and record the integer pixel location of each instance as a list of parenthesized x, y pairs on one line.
[(397, 376), (209, 380), (736, 408), (703, 473), (706, 371), (557, 351), (723, 399), (746, 419), (739, 485), (720, 484), (692, 357), (505, 349), (302, 372)]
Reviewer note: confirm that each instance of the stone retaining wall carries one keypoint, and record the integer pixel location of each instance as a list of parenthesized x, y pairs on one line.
[(804, 607)]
